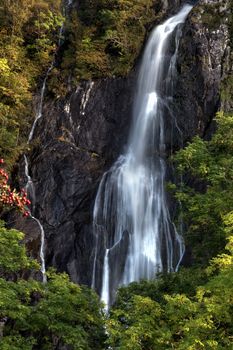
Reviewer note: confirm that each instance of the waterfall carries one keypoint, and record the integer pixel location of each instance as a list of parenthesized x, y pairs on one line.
[(131, 221)]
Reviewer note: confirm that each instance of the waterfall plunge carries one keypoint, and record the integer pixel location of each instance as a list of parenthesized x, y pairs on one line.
[(131, 218)]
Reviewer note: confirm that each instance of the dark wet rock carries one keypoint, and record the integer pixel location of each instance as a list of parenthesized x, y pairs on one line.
[(202, 66), (78, 138)]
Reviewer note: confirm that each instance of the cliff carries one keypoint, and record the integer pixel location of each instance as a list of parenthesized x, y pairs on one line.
[(81, 134)]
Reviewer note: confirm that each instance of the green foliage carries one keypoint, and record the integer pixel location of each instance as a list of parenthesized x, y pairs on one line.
[(184, 281), (105, 37), (210, 163), (41, 316), (58, 313), (14, 97), (200, 321), (41, 32), (13, 256), (28, 37)]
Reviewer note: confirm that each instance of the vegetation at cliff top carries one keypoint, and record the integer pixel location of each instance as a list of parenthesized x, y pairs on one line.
[(103, 38), (28, 33)]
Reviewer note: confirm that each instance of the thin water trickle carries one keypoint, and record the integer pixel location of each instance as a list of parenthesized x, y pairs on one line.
[(29, 187), (42, 248), (40, 106), (86, 97), (131, 196)]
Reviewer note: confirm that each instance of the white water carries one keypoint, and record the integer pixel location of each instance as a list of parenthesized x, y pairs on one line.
[(40, 106), (105, 296), (61, 32), (42, 248), (30, 188), (86, 97), (131, 196)]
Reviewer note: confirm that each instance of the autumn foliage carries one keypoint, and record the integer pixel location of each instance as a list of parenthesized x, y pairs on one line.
[(12, 198)]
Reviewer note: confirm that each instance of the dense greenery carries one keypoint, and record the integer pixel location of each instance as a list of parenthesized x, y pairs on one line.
[(178, 321), (147, 315), (103, 38), (208, 198), (112, 33), (41, 316), (28, 36)]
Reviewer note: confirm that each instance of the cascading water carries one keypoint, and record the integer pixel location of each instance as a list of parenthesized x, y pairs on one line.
[(135, 237), (30, 189), (39, 110), (30, 185)]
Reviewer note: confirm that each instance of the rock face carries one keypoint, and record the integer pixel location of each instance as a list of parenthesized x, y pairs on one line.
[(81, 135), (203, 63)]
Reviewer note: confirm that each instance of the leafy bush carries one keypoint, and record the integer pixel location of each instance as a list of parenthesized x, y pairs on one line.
[(41, 316), (210, 163), (180, 321)]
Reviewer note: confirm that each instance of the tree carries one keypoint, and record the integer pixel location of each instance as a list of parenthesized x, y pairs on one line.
[(28, 40)]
